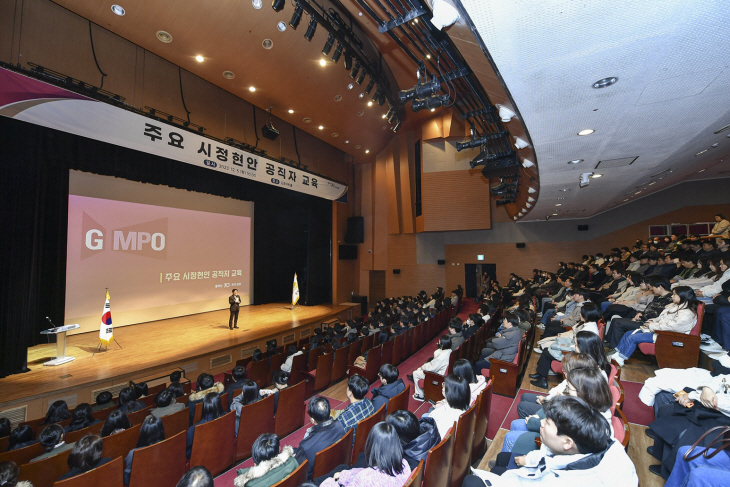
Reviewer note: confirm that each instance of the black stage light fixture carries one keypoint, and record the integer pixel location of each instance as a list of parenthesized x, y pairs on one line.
[(348, 63), (370, 85), (296, 16), (338, 52), (311, 28), (471, 144), (396, 126), (376, 96), (361, 78), (278, 5), (328, 45), (354, 72), (505, 202), (382, 100), (390, 115), (421, 90), (432, 102)]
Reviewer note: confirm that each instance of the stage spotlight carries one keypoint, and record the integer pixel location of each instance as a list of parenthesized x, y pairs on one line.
[(338, 52), (348, 63), (355, 70), (376, 96), (430, 102), (520, 143), (471, 144), (505, 202), (370, 84), (390, 115), (278, 5), (396, 126), (311, 28), (328, 45), (382, 99), (296, 16), (421, 90)]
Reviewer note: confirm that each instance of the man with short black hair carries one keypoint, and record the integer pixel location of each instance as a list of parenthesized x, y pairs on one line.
[(235, 301), (324, 432), (239, 375), (391, 386), (360, 407), (455, 333)]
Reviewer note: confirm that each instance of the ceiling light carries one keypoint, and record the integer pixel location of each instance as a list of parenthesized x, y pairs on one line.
[(278, 5), (432, 110), (531, 190), (256, 4), (558, 204), (701, 170), (322, 62), (361, 95), (396, 126), (370, 85), (526, 163), (432, 102), (602, 83), (267, 43), (358, 146), (199, 58), (338, 97), (347, 142), (428, 56), (586, 132), (444, 14), (118, 10), (296, 16), (584, 179), (505, 114), (360, 113), (228, 74), (348, 62), (370, 103), (701, 152), (164, 36), (528, 205), (383, 116), (596, 176), (638, 192), (555, 214), (251, 89), (281, 26), (328, 45), (338, 52), (530, 199), (654, 182), (350, 86), (311, 28), (520, 143), (321, 127), (307, 120), (714, 146), (575, 161), (291, 111), (367, 151), (335, 134)]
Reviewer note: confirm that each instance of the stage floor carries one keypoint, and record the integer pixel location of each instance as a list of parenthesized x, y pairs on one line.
[(148, 346)]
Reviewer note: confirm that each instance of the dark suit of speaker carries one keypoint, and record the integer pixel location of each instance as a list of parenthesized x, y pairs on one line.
[(235, 301)]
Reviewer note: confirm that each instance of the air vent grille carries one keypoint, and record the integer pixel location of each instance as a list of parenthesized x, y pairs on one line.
[(305, 333), (216, 362), (71, 400), (610, 163), (289, 338), (660, 173), (247, 352), (15, 415)]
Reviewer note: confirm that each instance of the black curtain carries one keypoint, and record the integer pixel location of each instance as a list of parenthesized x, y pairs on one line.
[(292, 231)]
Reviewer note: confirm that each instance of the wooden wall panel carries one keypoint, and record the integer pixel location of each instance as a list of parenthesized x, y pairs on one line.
[(380, 214), (455, 200), (407, 156), (391, 184), (413, 277)]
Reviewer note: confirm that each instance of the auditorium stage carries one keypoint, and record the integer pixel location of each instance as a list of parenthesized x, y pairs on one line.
[(156, 347)]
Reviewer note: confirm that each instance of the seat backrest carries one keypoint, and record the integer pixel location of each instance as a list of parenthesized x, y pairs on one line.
[(256, 419), (484, 406), (399, 401), (161, 464), (601, 327), (416, 477), (367, 343), (290, 411), (298, 366), (355, 351), (275, 364), (44, 472), (198, 414), (397, 349), (463, 443), (176, 422), (259, 372), (337, 453), (339, 365), (386, 353), (74, 436), (324, 371), (138, 416), (615, 396), (614, 371), (437, 472), (213, 445), (296, 478), (363, 430), (152, 391), (372, 367), (700, 317), (621, 429), (108, 475), (415, 340), (313, 356), (119, 444)]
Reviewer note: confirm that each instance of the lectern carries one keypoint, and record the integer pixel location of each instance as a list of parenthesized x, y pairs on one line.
[(60, 332)]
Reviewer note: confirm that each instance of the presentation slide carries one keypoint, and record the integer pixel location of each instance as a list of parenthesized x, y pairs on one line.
[(157, 261)]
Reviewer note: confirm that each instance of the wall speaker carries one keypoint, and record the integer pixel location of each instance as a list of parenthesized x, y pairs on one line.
[(520, 245), (582, 228), (441, 262), (396, 271), (355, 232)]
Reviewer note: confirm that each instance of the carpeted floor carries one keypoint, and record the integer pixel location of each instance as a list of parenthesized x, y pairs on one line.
[(636, 411)]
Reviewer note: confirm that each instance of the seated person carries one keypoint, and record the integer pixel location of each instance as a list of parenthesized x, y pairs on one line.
[(140, 389), (417, 437), (456, 396), (52, 440), (21, 437), (576, 448), (438, 365), (9, 472), (212, 410), (680, 317), (177, 389), (386, 466), (324, 432), (166, 404), (204, 385), (390, 386), (103, 401), (115, 423), (291, 352), (699, 469), (570, 318), (57, 412), (127, 401), (85, 455), (477, 382), (151, 432), (360, 407), (249, 395), (270, 465), (197, 477), (503, 346), (239, 375), (563, 342), (81, 418), (455, 333), (586, 342), (281, 381)]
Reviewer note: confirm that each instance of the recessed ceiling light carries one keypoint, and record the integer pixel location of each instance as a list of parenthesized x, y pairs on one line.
[(433, 109), (321, 127), (199, 58), (338, 97), (252, 88), (117, 9), (596, 176), (602, 83), (347, 142), (323, 62), (228, 74), (638, 192), (575, 161), (626, 200), (358, 146), (370, 103), (654, 182), (164, 36), (428, 56), (555, 214), (565, 190), (360, 113), (256, 4), (384, 115), (335, 134), (367, 151), (361, 95), (291, 111), (267, 43), (307, 120), (586, 132), (701, 170), (558, 204), (701, 152), (281, 26), (350, 86), (714, 146)]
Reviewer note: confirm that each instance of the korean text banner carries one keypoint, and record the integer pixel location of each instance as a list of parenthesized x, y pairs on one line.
[(39, 103)]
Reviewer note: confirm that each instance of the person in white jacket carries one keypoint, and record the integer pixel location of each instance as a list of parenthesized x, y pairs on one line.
[(680, 317), (456, 395), (438, 365), (715, 288), (577, 449)]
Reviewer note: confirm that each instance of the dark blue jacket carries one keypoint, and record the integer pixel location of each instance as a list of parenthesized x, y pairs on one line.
[(320, 437), (381, 395)]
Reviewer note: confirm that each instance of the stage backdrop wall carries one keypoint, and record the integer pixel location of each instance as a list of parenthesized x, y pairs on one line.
[(292, 231)]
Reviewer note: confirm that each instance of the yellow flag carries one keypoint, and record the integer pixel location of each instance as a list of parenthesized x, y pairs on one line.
[(295, 291)]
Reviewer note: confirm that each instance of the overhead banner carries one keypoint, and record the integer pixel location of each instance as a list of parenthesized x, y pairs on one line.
[(33, 101)]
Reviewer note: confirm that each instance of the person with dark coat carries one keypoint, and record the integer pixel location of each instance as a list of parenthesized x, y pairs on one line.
[(270, 465), (85, 455), (455, 333), (324, 432), (239, 375), (503, 347), (391, 386), (212, 409), (235, 301)]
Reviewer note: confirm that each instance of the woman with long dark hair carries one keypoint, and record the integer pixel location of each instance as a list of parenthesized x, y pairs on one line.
[(249, 395), (127, 401), (212, 409), (57, 412), (115, 423), (151, 432), (457, 396), (81, 418), (21, 437)]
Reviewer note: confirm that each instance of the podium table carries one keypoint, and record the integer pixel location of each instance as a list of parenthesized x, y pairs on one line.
[(60, 333)]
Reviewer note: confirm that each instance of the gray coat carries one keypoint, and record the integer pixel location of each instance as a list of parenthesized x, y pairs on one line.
[(507, 345), (456, 340)]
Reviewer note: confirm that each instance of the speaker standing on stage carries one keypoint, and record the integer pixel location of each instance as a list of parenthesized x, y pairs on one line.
[(235, 301)]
